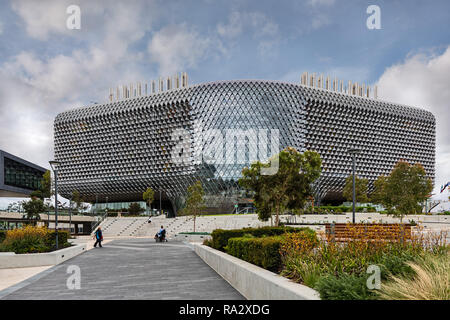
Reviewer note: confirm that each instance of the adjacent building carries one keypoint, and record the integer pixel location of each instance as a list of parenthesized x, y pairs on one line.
[(18, 177)]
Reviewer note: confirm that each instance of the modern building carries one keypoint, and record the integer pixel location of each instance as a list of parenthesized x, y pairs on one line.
[(210, 131), (18, 177)]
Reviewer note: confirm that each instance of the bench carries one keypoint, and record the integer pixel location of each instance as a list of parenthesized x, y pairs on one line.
[(344, 232)]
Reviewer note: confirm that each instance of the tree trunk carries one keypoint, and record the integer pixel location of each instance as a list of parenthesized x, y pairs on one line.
[(194, 222)]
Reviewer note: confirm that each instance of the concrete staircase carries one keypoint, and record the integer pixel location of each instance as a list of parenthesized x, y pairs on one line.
[(139, 226)]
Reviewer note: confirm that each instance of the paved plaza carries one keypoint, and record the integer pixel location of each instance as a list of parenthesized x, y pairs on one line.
[(129, 269)]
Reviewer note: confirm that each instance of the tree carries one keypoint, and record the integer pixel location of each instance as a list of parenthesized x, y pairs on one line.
[(134, 208), (148, 196), (76, 197), (37, 194), (194, 201), (288, 187), (404, 189), (46, 184), (378, 193), (360, 189), (33, 208)]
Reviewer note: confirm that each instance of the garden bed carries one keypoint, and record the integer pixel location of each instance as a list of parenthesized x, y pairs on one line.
[(339, 270), (33, 240)]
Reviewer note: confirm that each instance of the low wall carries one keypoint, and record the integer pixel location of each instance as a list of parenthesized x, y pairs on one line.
[(253, 282), (12, 260), (192, 237), (369, 217)]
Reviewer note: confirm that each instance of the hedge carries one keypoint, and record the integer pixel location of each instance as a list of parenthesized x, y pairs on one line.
[(33, 240), (263, 252), (220, 237), (62, 239)]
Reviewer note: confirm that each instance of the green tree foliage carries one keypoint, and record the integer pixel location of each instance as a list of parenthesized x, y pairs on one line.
[(76, 197), (46, 184), (33, 208), (134, 208), (360, 189), (149, 196), (194, 201), (404, 189), (288, 188), (377, 195), (37, 194)]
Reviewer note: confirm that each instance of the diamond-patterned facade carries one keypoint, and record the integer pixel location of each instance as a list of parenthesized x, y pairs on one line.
[(118, 149)]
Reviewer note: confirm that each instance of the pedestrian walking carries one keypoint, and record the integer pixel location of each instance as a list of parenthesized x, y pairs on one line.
[(99, 237)]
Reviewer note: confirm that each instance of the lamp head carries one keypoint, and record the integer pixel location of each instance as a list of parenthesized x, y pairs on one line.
[(354, 151), (54, 165)]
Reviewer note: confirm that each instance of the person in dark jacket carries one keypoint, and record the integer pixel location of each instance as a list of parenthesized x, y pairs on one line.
[(99, 237)]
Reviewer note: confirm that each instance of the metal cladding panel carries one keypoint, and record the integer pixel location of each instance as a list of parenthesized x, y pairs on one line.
[(121, 148), (384, 132)]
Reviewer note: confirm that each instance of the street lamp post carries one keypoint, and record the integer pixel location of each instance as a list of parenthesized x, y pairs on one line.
[(55, 166), (354, 152), (70, 215), (106, 207)]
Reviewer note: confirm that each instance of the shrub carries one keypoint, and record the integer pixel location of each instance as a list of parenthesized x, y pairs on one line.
[(344, 287), (308, 264), (430, 282), (33, 240), (207, 242), (134, 208), (220, 237), (63, 236), (263, 252), (395, 264), (26, 240), (2, 235)]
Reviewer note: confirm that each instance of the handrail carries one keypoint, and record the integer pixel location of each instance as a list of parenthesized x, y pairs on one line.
[(95, 224)]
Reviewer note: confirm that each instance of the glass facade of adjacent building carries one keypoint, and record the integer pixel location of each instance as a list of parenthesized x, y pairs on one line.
[(18, 177), (22, 176), (211, 131)]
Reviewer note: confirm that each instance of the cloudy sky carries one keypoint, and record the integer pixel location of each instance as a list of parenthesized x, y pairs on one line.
[(46, 68)]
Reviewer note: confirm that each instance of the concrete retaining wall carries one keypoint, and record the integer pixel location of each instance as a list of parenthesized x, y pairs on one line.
[(191, 237), (367, 217), (253, 282), (12, 260)]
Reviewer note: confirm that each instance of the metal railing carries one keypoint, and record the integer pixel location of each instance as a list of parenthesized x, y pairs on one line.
[(99, 219)]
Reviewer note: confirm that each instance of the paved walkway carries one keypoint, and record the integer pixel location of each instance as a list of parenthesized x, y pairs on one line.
[(129, 269)]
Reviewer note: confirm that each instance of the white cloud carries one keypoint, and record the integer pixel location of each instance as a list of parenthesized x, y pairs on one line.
[(176, 48), (261, 27), (259, 23), (234, 26), (423, 80), (315, 3), (43, 17), (319, 21), (36, 88)]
